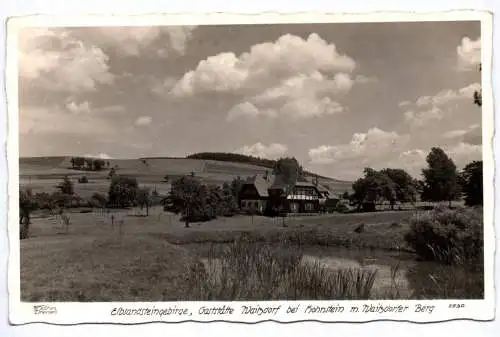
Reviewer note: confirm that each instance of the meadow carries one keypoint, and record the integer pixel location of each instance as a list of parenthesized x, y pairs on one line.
[(125, 255)]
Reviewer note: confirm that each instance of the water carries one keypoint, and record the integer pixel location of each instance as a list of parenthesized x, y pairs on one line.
[(398, 274)]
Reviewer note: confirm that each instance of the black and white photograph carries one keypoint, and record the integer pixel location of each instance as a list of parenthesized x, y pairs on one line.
[(234, 162)]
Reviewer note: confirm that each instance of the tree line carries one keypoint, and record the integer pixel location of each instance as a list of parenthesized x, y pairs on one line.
[(88, 164), (441, 182)]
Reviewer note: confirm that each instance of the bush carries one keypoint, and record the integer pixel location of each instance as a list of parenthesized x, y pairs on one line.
[(449, 236), (83, 180), (98, 199)]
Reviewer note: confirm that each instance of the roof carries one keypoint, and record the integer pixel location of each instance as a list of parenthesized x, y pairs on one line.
[(260, 183)]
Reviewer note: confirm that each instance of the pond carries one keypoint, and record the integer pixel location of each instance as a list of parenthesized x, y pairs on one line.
[(398, 274)]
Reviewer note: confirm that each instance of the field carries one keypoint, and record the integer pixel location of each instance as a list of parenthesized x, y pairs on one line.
[(97, 259), (43, 174), (126, 255)]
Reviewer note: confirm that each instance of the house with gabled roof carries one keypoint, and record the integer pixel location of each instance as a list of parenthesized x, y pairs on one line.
[(268, 193)]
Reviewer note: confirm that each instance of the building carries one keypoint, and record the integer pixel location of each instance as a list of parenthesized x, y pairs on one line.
[(269, 194), (254, 193)]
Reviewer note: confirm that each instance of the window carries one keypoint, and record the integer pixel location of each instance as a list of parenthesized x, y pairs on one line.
[(256, 204), (243, 204), (309, 207)]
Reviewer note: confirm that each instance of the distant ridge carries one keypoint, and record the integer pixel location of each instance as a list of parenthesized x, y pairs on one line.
[(246, 159), (207, 157)]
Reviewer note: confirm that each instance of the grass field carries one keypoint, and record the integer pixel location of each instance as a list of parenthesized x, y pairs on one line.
[(155, 258), (42, 174)]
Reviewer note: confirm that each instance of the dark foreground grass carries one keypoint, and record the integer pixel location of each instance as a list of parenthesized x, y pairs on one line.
[(246, 270), (131, 268)]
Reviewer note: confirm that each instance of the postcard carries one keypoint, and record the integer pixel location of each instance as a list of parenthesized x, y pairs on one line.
[(250, 168)]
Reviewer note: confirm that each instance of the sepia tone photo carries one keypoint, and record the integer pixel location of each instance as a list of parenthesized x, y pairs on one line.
[(251, 162)]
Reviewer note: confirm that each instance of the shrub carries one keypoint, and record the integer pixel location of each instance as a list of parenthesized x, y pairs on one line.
[(98, 199), (83, 180), (66, 186), (449, 236)]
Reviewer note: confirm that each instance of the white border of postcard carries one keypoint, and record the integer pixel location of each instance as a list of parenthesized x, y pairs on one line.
[(340, 311)]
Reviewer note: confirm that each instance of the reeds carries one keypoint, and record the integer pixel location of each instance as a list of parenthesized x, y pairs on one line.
[(246, 270)]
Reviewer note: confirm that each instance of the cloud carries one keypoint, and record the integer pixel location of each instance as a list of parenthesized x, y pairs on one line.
[(51, 59), (132, 40), (53, 120), (248, 110), (469, 54), (471, 135), (365, 148), (271, 151), (428, 109), (365, 79), (288, 56), (100, 156), (76, 108), (423, 117), (463, 153), (143, 121)]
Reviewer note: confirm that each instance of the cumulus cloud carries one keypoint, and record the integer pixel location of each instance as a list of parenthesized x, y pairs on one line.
[(76, 108), (428, 109), (288, 56), (469, 54), (54, 60), (271, 151), (248, 110), (463, 153), (143, 121), (277, 78), (471, 135), (367, 148), (132, 40)]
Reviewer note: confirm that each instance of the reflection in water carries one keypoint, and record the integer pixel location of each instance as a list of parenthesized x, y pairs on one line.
[(399, 275)]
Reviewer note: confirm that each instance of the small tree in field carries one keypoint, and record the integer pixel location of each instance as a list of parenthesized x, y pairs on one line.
[(440, 178), (186, 196), (26, 206), (66, 186), (472, 183), (122, 191), (143, 199)]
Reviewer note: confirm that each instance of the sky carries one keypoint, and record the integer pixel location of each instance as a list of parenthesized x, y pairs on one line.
[(339, 97)]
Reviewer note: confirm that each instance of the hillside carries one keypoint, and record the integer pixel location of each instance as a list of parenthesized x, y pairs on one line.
[(151, 171)]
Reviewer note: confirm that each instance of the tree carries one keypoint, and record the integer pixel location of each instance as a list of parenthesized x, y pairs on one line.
[(478, 94), (66, 186), (185, 197), (236, 186), (143, 199), (89, 163), (373, 187), (26, 206), (98, 199), (289, 169), (98, 164), (440, 178), (472, 183), (111, 173), (122, 191), (230, 201), (405, 186), (345, 196)]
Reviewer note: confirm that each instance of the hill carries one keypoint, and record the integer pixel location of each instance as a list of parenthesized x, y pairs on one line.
[(151, 171)]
